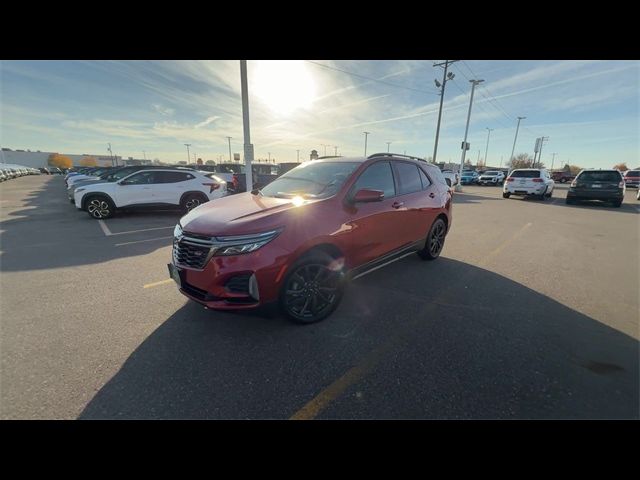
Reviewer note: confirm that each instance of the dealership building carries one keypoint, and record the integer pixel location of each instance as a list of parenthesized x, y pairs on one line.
[(37, 159)]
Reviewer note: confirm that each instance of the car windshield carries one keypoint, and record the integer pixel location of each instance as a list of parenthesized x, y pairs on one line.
[(600, 177), (315, 179), (526, 174), (468, 172), (633, 173), (491, 173)]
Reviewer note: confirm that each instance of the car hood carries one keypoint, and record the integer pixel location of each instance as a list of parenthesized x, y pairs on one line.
[(240, 214), (82, 183)]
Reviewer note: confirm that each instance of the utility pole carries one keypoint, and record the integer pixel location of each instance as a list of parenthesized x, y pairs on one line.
[(188, 155), (542, 140), (248, 147), (466, 131), (366, 134), (514, 140), (111, 154), (229, 139), (553, 159), (486, 151), (442, 86), (478, 160), (388, 145)]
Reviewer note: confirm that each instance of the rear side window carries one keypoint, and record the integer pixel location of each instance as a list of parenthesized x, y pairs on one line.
[(173, 177), (633, 173), (436, 174), (610, 176), (408, 178), (423, 178), (377, 177), (525, 174)]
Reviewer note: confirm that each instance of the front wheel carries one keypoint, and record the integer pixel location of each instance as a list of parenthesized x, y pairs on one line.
[(506, 194), (617, 204), (100, 207), (191, 201), (313, 288), (435, 241)]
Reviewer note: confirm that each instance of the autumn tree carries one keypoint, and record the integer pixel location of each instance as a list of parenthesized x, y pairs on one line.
[(60, 161), (88, 162), (524, 160), (621, 166)]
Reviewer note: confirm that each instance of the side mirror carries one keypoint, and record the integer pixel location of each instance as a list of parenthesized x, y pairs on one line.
[(366, 196), (448, 180)]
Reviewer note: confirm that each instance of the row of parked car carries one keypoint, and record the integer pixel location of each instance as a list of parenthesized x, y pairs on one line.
[(9, 172), (608, 185)]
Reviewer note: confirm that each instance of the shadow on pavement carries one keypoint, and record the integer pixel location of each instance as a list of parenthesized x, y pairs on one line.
[(474, 345)]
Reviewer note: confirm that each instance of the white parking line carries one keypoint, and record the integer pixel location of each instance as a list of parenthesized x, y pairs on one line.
[(104, 228), (141, 241)]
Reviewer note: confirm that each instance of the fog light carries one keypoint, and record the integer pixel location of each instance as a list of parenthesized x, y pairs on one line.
[(253, 287)]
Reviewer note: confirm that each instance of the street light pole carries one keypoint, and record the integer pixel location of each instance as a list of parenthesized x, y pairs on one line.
[(514, 140), (188, 155), (486, 151), (248, 147), (442, 87), (466, 131), (366, 134), (229, 139), (388, 146), (553, 159), (542, 140)]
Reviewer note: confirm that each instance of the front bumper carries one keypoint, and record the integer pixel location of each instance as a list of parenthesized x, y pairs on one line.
[(216, 285), (483, 181)]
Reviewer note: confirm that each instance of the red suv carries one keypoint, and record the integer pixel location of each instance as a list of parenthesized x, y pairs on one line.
[(299, 239)]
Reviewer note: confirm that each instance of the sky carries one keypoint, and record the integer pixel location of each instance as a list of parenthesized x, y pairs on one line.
[(588, 109)]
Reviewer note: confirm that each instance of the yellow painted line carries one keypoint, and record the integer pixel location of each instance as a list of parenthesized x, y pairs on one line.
[(155, 284), (316, 405)]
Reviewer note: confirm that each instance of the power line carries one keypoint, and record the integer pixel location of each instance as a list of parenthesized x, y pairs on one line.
[(372, 79)]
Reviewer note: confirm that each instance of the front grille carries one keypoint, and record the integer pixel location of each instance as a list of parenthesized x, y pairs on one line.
[(238, 284), (193, 251)]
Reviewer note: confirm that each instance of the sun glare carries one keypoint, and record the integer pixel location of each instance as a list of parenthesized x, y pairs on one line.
[(284, 85)]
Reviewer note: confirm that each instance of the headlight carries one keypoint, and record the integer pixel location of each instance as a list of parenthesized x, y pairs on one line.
[(177, 231), (238, 244)]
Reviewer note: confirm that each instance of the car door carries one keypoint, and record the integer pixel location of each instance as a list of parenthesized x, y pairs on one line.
[(136, 189), (419, 201), (375, 225), (171, 186)]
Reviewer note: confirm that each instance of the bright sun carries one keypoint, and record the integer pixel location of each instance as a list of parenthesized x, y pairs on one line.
[(283, 85)]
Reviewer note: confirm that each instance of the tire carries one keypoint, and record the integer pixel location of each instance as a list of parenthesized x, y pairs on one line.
[(506, 194), (312, 289), (617, 204), (100, 207), (550, 194), (570, 201), (192, 200), (435, 240)]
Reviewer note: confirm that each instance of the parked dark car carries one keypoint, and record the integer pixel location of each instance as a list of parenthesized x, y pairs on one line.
[(562, 177), (603, 185), (632, 178)]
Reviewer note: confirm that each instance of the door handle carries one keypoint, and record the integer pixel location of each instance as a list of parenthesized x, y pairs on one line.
[(432, 195), (397, 204)]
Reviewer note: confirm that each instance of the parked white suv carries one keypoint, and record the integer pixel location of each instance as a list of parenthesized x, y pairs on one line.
[(157, 188), (529, 182), (491, 177)]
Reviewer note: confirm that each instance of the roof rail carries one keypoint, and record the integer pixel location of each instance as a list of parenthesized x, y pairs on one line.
[(387, 154)]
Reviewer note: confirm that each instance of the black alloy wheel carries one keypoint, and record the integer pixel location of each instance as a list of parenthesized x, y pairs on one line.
[(192, 201), (312, 290), (435, 241)]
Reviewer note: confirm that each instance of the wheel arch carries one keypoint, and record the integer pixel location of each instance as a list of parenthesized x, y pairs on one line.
[(89, 195), (193, 192)]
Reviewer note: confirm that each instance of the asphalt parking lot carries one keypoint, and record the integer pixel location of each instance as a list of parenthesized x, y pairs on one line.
[(531, 312)]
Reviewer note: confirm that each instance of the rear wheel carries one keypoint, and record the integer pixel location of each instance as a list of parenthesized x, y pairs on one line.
[(313, 288), (506, 194), (617, 203), (193, 200), (570, 201), (435, 241), (99, 207)]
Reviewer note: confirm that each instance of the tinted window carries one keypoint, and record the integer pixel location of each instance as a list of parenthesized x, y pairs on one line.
[(436, 175), (525, 174), (377, 177), (600, 177), (172, 177), (633, 173), (408, 177), (424, 179), (142, 178)]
